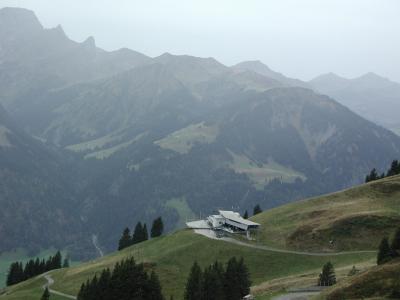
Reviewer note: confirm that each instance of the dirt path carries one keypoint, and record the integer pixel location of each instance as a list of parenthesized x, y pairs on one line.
[(50, 281), (210, 234)]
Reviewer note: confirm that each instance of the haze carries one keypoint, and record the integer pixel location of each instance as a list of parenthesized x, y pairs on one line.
[(302, 39)]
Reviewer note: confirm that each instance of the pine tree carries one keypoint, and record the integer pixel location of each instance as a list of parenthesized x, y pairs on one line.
[(232, 280), (104, 285), (193, 290), (127, 281), (157, 228), (213, 282), (125, 240), (327, 276), (394, 168), (395, 246), (246, 215), (37, 267), (12, 274), (384, 253), (57, 261), (145, 235), (373, 175), (138, 233), (29, 271), (257, 209), (154, 288), (15, 273), (46, 294), (244, 278)]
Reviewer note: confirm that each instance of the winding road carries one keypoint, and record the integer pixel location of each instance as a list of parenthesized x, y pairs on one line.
[(50, 281)]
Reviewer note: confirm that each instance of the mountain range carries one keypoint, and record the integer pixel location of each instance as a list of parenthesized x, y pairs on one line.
[(123, 137), (374, 97)]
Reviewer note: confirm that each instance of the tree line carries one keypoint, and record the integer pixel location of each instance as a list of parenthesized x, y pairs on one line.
[(128, 280), (19, 272), (140, 233), (217, 282), (393, 170), (389, 250), (256, 210)]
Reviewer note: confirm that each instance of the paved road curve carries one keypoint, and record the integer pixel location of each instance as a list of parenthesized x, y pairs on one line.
[(296, 296)]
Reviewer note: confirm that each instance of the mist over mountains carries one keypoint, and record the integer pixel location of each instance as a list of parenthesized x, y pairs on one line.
[(122, 137), (374, 97)]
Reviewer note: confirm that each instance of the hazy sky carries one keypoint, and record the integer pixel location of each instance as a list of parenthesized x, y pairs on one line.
[(300, 38)]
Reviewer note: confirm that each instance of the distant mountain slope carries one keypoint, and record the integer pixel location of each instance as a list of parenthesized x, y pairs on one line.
[(269, 147), (36, 200), (372, 96), (260, 68)]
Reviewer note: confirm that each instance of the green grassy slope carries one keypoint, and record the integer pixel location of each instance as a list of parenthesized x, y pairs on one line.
[(378, 281), (353, 219), (172, 256)]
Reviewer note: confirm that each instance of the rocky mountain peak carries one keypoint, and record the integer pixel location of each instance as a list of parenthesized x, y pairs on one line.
[(19, 20)]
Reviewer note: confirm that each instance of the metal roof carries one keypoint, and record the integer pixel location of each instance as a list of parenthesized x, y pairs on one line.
[(234, 216)]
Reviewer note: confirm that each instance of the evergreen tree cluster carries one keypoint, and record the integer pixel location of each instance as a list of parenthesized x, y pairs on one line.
[(126, 281), (257, 209), (387, 251), (217, 282), (393, 170), (140, 233), (19, 272), (327, 277)]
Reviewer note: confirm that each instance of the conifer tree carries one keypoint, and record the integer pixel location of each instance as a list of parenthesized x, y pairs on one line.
[(237, 280), (125, 240), (394, 168), (373, 175), (193, 290), (154, 288), (327, 276), (213, 282), (246, 215), (12, 274), (157, 228), (244, 278), (57, 261), (46, 294), (395, 246), (384, 253), (137, 234), (37, 267), (127, 281), (257, 209)]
